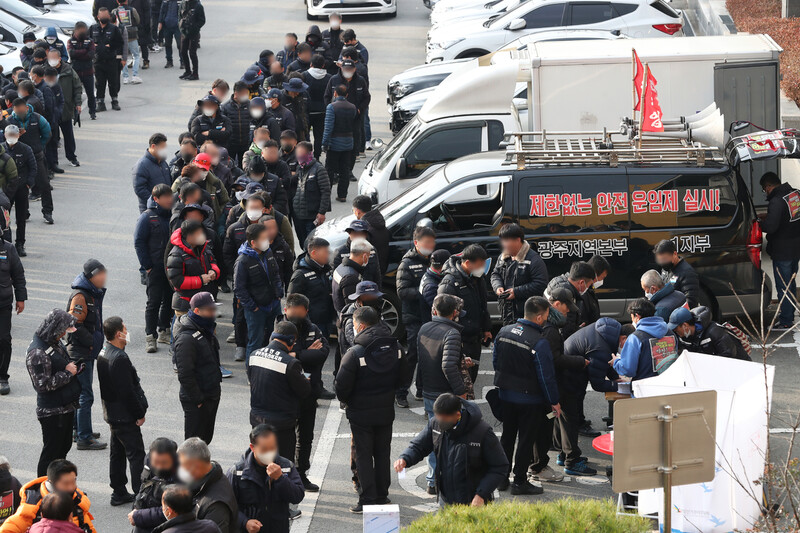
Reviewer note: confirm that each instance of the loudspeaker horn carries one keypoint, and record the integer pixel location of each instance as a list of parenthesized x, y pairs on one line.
[(712, 134), (703, 113)]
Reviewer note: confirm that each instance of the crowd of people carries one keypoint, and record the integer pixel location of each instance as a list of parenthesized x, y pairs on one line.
[(226, 212)]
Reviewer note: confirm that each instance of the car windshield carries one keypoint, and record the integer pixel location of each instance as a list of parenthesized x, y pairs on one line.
[(17, 24), (387, 154), (412, 198), (20, 8)]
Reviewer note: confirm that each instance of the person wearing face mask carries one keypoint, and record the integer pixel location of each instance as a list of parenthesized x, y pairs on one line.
[(276, 75), (26, 51), (311, 277), (429, 284), (260, 137), (35, 132), (124, 409), (294, 98), (68, 91), (312, 200), (662, 295), (578, 280), (82, 51), (47, 99), (470, 462), (379, 234), (303, 61), (26, 178), (278, 386), (337, 141), (409, 275), (277, 166), (160, 470), (636, 359), (265, 484), (237, 109), (311, 349), (190, 264), (183, 157), (440, 361), (333, 38), (211, 125), (257, 172), (283, 116), (283, 253), (316, 78), (209, 181), (359, 229), (261, 118), (196, 357), (677, 271), (464, 278), (108, 59), (317, 45), (366, 382), (152, 169), (257, 287), (288, 142), (235, 236), (357, 94), (367, 295), (128, 20), (591, 304), (219, 90), (178, 510), (52, 40), (350, 273), (211, 491), (518, 274), (697, 332)]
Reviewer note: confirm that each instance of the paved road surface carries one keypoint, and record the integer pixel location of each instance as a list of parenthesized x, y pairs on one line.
[(95, 211)]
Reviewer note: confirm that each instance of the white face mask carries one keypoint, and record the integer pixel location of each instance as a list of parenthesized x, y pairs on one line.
[(12, 140), (267, 458), (335, 24), (348, 73), (243, 98), (425, 251), (50, 40), (163, 153), (261, 144), (29, 46), (263, 245), (184, 475), (649, 295), (478, 272), (597, 284), (209, 112), (203, 174), (53, 62), (256, 113), (254, 214)]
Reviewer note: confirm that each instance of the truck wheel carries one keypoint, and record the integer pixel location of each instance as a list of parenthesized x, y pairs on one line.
[(390, 312)]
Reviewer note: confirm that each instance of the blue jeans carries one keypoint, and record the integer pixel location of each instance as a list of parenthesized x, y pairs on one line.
[(83, 415), (430, 477), (259, 327), (169, 33), (303, 227), (784, 270), (136, 52)]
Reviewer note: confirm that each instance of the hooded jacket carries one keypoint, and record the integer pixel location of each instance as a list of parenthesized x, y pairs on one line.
[(147, 505), (185, 266), (262, 498), (596, 342), (197, 361), (712, 338), (526, 273), (151, 236), (782, 224), (31, 495), (58, 44), (666, 300), (148, 173), (318, 44), (369, 374), (257, 280), (470, 289), (439, 355), (409, 275), (573, 318), (469, 457), (124, 401), (313, 281), (12, 276), (635, 360), (57, 390), (317, 81), (86, 305)]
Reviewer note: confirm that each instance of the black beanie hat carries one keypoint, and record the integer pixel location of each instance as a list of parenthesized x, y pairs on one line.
[(92, 267)]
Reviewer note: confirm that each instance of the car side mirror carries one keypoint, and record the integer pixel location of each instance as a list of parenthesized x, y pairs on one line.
[(516, 25), (400, 168), (425, 223), (376, 143)]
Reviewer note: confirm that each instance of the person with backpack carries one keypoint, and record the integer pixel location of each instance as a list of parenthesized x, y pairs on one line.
[(650, 349), (697, 332)]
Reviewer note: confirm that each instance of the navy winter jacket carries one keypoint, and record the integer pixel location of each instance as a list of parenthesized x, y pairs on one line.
[(148, 173), (151, 236)]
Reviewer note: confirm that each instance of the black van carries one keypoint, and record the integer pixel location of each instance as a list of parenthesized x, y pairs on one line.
[(571, 212)]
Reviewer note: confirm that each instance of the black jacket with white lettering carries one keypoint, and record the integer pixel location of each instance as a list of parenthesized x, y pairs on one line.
[(409, 275), (277, 385)]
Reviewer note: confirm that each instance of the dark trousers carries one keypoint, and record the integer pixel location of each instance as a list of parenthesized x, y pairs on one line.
[(88, 85), (5, 340), (472, 348), (83, 415), (305, 433), (565, 431), (521, 422), (316, 122), (200, 421), (51, 148), (373, 460), (544, 441), (107, 73), (189, 47), (239, 325), (786, 284), (284, 434), (69, 139), (169, 34), (20, 203), (43, 184), (303, 227), (158, 310), (56, 440), (412, 330), (126, 444), (358, 136), (237, 153), (339, 166)]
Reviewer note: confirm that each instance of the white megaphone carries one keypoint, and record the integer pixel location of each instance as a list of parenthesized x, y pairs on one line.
[(709, 119), (703, 113), (710, 134)]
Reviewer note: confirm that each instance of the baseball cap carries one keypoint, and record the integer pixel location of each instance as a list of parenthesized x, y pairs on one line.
[(358, 225), (348, 63), (678, 317), (202, 300), (439, 258), (92, 267), (274, 93), (251, 188), (203, 160), (564, 296), (366, 287)]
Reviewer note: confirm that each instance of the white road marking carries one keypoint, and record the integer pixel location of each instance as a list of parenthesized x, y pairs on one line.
[(591, 480), (418, 411), (409, 483), (319, 466)]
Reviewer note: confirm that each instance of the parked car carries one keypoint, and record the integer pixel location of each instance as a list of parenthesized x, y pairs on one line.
[(483, 10), (474, 38), (573, 211), (449, 5), (83, 8), (9, 58), (64, 21), (323, 8), (12, 29)]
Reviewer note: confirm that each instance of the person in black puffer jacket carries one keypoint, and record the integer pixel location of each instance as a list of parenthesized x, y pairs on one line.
[(429, 285), (675, 270), (578, 281), (318, 44), (313, 197), (13, 293), (464, 278), (211, 491), (160, 471), (358, 229), (697, 332), (378, 233), (368, 377), (190, 264), (518, 274), (211, 124), (470, 463), (317, 79), (237, 109), (311, 277)]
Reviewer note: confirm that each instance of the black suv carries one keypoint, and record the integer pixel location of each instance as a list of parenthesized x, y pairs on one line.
[(571, 212)]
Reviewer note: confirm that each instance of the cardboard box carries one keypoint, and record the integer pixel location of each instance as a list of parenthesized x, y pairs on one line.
[(381, 518)]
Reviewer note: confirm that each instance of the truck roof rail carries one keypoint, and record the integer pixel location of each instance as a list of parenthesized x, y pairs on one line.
[(525, 149)]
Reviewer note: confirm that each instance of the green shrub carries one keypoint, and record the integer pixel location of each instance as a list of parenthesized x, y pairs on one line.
[(560, 516)]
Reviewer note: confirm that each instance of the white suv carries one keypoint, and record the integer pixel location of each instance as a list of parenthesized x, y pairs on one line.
[(323, 8), (440, 15), (474, 38)]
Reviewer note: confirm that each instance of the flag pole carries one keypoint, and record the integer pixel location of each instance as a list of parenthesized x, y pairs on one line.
[(633, 83), (642, 104)]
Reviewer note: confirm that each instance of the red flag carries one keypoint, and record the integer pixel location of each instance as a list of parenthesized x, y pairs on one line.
[(638, 75), (651, 109)]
